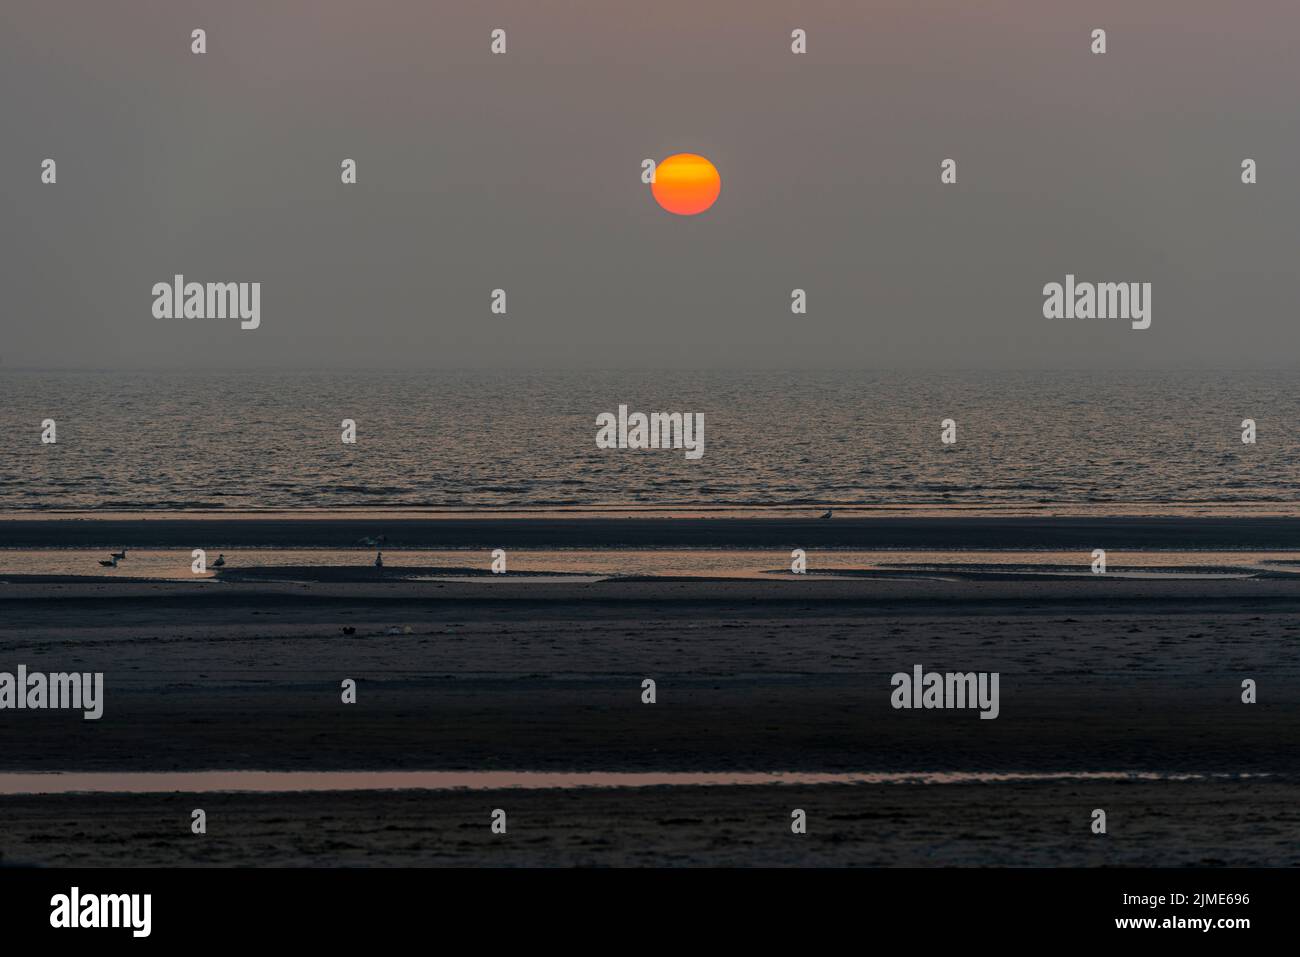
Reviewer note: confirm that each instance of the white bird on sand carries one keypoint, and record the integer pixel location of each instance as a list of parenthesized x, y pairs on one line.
[(221, 560), (111, 563), (121, 554), (827, 514)]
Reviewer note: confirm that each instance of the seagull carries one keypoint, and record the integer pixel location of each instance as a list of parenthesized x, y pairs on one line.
[(379, 559), (111, 563), (221, 560), (121, 554), (827, 514)]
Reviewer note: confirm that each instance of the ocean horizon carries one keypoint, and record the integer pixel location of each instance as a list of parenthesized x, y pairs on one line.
[(1107, 443)]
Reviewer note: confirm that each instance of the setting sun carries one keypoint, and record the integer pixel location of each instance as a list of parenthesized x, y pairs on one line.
[(686, 184)]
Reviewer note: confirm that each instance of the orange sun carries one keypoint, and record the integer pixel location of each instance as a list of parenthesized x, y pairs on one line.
[(686, 184)]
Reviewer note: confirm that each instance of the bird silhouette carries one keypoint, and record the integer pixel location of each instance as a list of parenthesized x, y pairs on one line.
[(111, 563), (221, 560), (826, 514), (121, 554), (379, 559)]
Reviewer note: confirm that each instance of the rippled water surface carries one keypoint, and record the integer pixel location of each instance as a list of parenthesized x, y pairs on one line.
[(496, 440)]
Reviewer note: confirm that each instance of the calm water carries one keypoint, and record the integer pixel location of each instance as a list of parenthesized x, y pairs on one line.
[(496, 440)]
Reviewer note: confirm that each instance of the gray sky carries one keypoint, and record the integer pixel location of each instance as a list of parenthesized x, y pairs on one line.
[(523, 171)]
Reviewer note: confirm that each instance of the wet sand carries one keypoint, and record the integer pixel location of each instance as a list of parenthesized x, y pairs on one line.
[(771, 676), (1153, 825), (1097, 674)]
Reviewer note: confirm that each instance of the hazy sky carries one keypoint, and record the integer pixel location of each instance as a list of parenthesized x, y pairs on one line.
[(522, 171)]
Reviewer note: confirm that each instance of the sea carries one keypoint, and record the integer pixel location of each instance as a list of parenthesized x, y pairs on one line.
[(481, 441)]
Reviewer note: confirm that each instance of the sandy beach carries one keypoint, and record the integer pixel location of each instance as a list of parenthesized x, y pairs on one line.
[(1162, 825), (772, 674), (783, 675), (1097, 675)]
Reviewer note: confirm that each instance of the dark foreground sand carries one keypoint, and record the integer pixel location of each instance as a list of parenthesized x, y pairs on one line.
[(1096, 675), (1171, 824)]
